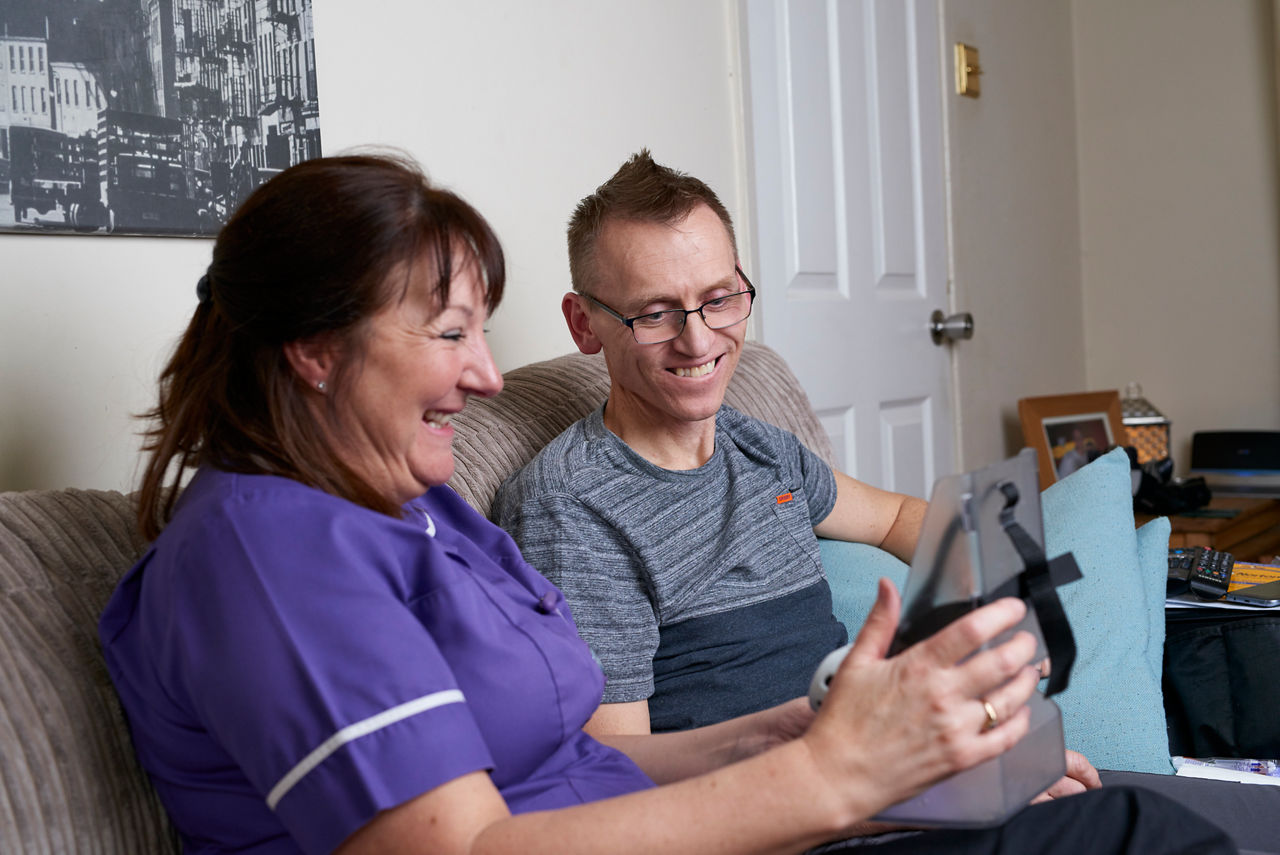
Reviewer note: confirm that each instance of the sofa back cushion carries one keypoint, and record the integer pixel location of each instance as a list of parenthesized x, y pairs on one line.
[(496, 436), (69, 782)]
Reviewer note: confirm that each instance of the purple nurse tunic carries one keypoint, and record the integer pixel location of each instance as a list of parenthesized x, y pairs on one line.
[(291, 663)]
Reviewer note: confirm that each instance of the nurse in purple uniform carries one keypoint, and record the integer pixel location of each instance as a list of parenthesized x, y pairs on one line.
[(327, 649)]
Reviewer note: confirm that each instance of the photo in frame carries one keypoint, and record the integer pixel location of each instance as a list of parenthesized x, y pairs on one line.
[(149, 117), (1067, 431)]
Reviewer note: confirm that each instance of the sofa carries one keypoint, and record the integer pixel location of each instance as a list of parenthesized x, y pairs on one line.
[(69, 782)]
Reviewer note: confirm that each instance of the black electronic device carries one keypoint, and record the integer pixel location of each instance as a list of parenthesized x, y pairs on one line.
[(1204, 572), (1239, 462), (1266, 595)]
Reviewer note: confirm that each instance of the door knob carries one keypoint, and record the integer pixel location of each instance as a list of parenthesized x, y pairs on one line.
[(945, 328)]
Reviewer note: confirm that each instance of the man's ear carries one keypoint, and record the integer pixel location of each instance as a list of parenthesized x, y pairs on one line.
[(312, 359), (575, 315)]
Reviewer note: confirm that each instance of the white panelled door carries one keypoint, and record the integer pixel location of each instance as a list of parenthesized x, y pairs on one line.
[(846, 129)]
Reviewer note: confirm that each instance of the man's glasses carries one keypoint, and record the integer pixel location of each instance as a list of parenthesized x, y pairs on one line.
[(717, 314)]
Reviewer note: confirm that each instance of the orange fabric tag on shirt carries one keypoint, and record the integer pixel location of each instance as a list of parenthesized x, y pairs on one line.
[(784, 498)]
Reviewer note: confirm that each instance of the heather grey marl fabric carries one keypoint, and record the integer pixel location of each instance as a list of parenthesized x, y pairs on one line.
[(662, 569), (69, 782)]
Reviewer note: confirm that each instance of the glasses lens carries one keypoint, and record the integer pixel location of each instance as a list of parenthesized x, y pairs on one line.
[(657, 327), (727, 311), (718, 314)]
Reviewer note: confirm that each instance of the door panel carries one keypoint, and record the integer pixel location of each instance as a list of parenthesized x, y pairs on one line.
[(849, 214)]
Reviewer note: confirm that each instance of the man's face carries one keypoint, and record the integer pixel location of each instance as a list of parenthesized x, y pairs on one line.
[(645, 267)]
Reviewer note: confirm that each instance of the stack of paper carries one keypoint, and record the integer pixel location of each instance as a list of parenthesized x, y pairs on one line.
[(1243, 575), (1230, 769)]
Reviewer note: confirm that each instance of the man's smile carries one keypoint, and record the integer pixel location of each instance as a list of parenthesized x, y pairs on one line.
[(697, 370)]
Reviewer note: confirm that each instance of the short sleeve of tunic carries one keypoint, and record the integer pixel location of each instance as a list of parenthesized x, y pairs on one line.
[(341, 661)]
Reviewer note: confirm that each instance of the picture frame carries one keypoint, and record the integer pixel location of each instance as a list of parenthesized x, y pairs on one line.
[(156, 119), (1066, 430)]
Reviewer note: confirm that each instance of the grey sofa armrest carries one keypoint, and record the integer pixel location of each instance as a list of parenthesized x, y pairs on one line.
[(69, 782)]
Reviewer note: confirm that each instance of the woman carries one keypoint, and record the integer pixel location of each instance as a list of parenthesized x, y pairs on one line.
[(325, 649)]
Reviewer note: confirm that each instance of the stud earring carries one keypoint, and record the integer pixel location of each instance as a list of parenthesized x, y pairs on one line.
[(321, 386)]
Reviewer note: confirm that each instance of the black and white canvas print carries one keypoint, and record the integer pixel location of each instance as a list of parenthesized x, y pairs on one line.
[(153, 117)]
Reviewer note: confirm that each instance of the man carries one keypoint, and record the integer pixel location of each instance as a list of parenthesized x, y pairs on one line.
[(683, 533)]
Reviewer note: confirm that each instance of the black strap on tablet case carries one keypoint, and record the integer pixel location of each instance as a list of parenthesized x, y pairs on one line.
[(1036, 584)]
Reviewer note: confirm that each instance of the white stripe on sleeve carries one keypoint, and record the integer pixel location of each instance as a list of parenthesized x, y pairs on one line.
[(355, 731)]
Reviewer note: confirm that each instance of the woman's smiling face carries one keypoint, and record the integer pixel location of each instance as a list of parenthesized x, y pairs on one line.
[(419, 363)]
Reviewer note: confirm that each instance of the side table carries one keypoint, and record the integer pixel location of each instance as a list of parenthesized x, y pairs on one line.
[(1250, 533)]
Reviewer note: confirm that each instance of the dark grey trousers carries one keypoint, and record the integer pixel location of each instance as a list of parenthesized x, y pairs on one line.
[(1250, 813), (1115, 819)]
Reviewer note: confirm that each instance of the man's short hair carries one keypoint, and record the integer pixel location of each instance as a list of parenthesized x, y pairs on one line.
[(641, 191)]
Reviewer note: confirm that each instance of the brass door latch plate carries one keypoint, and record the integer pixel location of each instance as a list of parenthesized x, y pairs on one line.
[(967, 71)]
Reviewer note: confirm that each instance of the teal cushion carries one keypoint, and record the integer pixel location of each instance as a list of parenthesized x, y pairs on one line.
[(1113, 710), (1153, 563), (852, 569)]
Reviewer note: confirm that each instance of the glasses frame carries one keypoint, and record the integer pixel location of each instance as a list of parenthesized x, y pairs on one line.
[(629, 323)]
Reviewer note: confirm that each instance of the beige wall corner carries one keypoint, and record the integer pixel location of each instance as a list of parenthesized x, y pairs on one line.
[(1013, 212), (1180, 214)]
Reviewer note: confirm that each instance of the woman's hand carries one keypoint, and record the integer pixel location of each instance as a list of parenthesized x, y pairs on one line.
[(899, 725)]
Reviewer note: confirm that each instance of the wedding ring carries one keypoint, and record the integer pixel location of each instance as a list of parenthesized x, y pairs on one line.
[(992, 718)]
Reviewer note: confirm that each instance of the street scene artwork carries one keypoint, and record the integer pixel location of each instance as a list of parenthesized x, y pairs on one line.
[(149, 117)]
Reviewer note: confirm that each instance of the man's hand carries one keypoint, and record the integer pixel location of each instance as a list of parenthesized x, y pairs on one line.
[(774, 726), (1080, 776)]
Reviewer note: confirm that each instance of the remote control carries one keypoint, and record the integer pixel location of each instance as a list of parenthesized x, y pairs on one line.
[(1204, 572)]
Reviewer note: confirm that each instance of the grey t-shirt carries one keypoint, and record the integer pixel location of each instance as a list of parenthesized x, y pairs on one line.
[(701, 590)]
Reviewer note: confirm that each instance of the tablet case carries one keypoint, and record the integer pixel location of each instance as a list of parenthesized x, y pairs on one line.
[(983, 538)]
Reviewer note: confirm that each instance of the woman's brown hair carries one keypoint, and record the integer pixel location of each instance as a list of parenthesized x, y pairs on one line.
[(317, 250)]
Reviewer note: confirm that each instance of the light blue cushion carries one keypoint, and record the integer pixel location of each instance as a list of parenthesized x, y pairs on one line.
[(852, 569), (1153, 563), (1113, 710)]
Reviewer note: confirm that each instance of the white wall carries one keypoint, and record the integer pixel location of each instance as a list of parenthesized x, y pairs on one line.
[(1115, 210), (84, 323), (521, 107), (1014, 217), (1179, 208), (526, 107)]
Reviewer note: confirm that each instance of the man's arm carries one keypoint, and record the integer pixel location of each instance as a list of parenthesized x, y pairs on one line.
[(622, 719), (866, 514), (676, 755)]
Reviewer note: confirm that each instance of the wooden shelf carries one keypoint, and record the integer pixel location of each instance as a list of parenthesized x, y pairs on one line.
[(1252, 534)]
